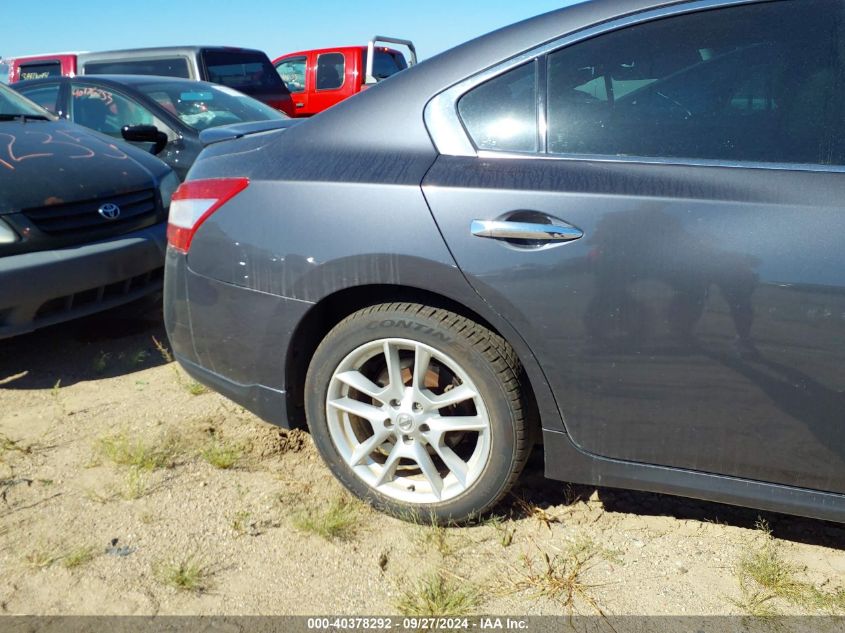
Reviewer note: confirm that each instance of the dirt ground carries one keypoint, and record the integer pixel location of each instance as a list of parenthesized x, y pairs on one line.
[(127, 489)]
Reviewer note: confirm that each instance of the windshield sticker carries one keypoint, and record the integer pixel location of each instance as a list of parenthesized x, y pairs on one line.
[(89, 92), (197, 96), (35, 75)]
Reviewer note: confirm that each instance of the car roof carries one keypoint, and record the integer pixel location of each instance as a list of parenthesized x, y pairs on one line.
[(351, 122), (334, 49), (137, 80), (165, 50), (43, 56), (123, 80)]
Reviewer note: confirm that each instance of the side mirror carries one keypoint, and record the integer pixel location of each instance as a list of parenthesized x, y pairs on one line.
[(145, 134)]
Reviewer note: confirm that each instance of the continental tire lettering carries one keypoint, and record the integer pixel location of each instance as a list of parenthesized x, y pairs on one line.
[(410, 325)]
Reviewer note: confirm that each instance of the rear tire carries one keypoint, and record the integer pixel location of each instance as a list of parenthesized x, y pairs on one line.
[(418, 411)]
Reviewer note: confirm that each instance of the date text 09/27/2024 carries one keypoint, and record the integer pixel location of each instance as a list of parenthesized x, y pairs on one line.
[(416, 623)]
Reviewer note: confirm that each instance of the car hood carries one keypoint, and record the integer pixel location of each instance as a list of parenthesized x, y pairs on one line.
[(54, 162)]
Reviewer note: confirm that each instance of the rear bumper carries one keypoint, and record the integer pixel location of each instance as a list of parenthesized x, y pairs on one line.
[(268, 404), (48, 287), (230, 338)]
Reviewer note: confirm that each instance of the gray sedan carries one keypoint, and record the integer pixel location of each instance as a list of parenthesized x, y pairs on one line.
[(617, 229)]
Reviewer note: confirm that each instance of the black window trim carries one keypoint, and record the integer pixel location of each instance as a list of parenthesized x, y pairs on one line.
[(451, 138)]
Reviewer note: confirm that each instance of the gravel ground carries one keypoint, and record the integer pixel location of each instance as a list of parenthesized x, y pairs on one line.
[(84, 531)]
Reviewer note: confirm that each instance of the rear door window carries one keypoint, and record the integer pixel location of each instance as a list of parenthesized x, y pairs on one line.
[(756, 83), (41, 70), (331, 69), (165, 67)]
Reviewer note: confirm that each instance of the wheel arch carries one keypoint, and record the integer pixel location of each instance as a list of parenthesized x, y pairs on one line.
[(333, 308)]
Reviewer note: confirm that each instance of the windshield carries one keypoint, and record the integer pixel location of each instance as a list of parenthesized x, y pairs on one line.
[(12, 104), (203, 105)]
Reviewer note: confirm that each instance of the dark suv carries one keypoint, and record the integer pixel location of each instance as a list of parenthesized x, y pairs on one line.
[(82, 219), (618, 227)]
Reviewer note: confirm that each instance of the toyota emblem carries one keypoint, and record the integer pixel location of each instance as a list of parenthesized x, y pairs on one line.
[(109, 211)]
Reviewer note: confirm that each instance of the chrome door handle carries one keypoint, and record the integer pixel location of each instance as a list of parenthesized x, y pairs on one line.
[(504, 230)]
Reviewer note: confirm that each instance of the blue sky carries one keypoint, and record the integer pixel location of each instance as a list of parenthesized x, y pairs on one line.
[(273, 26)]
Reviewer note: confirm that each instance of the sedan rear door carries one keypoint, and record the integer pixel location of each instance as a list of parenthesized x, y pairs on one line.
[(658, 209)]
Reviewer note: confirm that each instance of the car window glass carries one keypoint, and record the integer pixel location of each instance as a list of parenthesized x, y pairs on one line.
[(203, 105), (386, 63), (331, 68), (292, 72), (45, 96), (169, 67), (241, 69), (501, 114), (759, 83), (40, 70), (107, 111)]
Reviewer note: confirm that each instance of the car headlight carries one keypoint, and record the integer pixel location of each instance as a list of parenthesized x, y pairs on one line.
[(168, 186), (7, 235)]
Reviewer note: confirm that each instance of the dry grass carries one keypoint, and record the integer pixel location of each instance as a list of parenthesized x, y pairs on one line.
[(442, 539), (136, 484), (79, 556), (560, 578), (223, 455), (139, 357), (186, 574), (438, 595), (8, 445), (338, 520), (191, 386), (537, 513), (194, 388), (505, 529), (43, 556), (241, 522), (47, 555), (101, 362), (165, 354), (767, 581), (161, 453)]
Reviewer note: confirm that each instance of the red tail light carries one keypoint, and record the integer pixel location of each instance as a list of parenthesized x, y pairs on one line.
[(193, 202)]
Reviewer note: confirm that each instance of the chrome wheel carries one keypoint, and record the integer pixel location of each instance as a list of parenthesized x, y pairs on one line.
[(408, 421)]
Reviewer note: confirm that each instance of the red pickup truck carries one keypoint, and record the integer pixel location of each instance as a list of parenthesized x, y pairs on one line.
[(320, 78)]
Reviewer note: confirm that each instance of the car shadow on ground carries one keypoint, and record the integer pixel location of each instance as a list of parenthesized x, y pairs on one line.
[(113, 343), (535, 491)]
